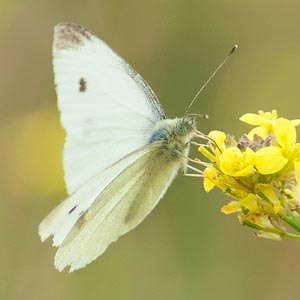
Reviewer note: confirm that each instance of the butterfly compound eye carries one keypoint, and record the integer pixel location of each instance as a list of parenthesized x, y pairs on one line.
[(181, 127)]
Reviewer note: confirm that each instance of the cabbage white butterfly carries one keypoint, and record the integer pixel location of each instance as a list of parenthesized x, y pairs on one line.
[(121, 152)]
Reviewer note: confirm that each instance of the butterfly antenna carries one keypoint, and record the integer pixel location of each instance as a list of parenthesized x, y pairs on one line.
[(211, 77)]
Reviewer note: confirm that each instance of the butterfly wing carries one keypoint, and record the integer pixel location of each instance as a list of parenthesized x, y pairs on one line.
[(120, 207), (62, 218), (107, 109)]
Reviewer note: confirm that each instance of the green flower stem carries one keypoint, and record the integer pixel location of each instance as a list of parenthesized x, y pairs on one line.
[(292, 220), (291, 236), (272, 230)]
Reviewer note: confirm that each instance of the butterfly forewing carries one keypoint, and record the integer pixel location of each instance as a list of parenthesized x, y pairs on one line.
[(107, 109)]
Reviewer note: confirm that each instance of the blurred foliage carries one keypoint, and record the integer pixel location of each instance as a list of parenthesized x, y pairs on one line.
[(185, 249)]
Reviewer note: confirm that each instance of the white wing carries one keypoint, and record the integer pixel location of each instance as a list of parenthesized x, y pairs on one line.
[(120, 207), (63, 217), (107, 109)]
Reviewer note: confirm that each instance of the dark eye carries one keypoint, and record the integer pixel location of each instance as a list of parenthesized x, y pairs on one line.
[(180, 130)]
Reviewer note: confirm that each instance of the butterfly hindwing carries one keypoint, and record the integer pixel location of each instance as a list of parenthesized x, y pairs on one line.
[(63, 217), (120, 207)]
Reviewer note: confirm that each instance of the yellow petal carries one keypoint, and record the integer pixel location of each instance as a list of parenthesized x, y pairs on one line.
[(231, 207), (218, 137), (239, 194), (268, 191), (295, 122), (269, 160), (285, 133), (208, 185), (254, 119), (250, 202), (210, 178), (245, 171), (263, 132)]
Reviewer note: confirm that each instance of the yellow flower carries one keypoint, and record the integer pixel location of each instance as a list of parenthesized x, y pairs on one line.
[(260, 171), (265, 122), (268, 124), (236, 163)]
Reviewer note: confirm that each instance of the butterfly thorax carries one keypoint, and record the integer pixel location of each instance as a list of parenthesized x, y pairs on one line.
[(175, 135)]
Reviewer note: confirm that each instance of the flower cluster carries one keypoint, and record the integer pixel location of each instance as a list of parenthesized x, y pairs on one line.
[(261, 171)]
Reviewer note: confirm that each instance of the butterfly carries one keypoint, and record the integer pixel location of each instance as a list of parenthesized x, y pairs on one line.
[(121, 152)]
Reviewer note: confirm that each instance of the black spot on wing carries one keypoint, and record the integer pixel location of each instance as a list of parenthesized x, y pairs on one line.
[(72, 209), (82, 85)]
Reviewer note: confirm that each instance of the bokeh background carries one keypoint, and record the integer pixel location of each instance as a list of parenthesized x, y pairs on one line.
[(186, 249)]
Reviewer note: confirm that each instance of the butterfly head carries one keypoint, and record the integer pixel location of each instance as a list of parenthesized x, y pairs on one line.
[(174, 129)]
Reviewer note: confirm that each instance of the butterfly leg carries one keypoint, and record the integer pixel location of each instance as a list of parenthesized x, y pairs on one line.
[(193, 175), (197, 144), (198, 173)]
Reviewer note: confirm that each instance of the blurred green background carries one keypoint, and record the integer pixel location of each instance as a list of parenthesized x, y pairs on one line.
[(186, 249)]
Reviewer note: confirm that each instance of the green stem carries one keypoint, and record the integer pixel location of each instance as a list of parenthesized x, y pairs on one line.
[(292, 220), (291, 236), (272, 230)]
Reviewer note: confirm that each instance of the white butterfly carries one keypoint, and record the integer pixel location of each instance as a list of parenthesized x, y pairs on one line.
[(121, 152)]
